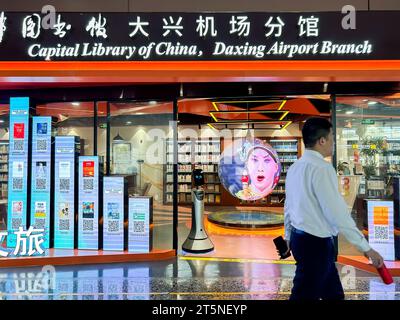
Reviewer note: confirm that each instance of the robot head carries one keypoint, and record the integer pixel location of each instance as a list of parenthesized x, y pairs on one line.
[(198, 177)]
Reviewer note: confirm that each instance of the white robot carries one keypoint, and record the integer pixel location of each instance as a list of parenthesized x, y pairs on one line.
[(197, 240)]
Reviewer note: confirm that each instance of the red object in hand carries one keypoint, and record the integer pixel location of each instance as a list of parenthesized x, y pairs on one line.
[(385, 274), (245, 179)]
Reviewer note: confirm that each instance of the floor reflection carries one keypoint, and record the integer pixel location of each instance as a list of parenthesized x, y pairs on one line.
[(176, 279)]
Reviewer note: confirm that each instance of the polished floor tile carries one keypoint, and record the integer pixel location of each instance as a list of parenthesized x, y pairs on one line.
[(184, 278)]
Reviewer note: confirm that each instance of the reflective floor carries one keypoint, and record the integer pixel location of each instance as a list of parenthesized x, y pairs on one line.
[(178, 279)]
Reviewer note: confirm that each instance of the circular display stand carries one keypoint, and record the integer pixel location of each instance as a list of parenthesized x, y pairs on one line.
[(246, 219)]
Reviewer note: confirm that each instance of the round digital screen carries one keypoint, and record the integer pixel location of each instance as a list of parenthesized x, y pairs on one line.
[(249, 169)]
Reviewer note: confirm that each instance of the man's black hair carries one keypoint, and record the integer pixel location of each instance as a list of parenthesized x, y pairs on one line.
[(314, 129)]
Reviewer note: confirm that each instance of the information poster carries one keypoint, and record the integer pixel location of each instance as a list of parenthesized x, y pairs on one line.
[(18, 168), (41, 176), (139, 232), (381, 228), (114, 213), (64, 192), (88, 204)]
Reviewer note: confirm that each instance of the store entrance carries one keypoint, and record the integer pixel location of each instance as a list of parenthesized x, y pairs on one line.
[(244, 147)]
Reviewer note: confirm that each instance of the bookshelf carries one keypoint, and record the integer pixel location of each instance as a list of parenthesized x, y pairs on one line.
[(3, 169), (193, 154)]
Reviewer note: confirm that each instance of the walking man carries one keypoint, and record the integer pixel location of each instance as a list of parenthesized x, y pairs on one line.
[(315, 212)]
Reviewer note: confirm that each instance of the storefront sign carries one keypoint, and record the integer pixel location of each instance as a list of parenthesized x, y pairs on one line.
[(381, 227), (89, 205), (41, 176), (199, 36), (115, 200), (140, 238), (18, 168), (65, 191)]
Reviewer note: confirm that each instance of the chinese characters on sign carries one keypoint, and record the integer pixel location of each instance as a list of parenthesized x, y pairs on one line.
[(28, 242), (194, 36), (2, 26)]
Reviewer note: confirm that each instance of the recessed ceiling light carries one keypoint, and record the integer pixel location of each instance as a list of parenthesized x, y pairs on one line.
[(153, 102), (129, 122), (350, 112), (75, 103), (372, 103)]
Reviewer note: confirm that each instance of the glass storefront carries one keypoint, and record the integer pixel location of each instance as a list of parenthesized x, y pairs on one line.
[(368, 152), (136, 139)]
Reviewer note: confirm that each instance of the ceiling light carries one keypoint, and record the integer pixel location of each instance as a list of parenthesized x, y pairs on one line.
[(153, 102), (1, 121), (118, 138), (75, 103), (370, 103), (129, 122), (350, 112)]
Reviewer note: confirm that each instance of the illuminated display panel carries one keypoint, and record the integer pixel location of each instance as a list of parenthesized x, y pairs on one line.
[(140, 237), (41, 171), (89, 204), (249, 169), (65, 191), (115, 211), (18, 168), (381, 228)]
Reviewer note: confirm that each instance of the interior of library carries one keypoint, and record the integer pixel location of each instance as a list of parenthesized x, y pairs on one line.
[(367, 154)]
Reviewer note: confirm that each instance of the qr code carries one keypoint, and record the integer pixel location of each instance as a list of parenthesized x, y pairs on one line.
[(113, 226), (18, 145), (381, 232), (40, 184), (17, 183), (40, 223), (16, 223), (88, 184), (88, 225), (64, 185), (138, 226), (64, 224), (41, 145)]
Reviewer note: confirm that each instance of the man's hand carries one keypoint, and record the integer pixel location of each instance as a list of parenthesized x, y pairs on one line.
[(375, 257), (288, 245)]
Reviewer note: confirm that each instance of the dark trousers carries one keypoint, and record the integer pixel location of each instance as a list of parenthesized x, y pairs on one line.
[(316, 273)]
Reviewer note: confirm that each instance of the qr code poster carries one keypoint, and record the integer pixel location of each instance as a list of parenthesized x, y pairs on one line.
[(381, 228), (18, 146), (41, 145)]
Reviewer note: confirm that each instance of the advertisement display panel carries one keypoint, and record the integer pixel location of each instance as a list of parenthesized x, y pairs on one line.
[(41, 172), (18, 187), (65, 191), (115, 202), (381, 227), (89, 203), (140, 238)]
